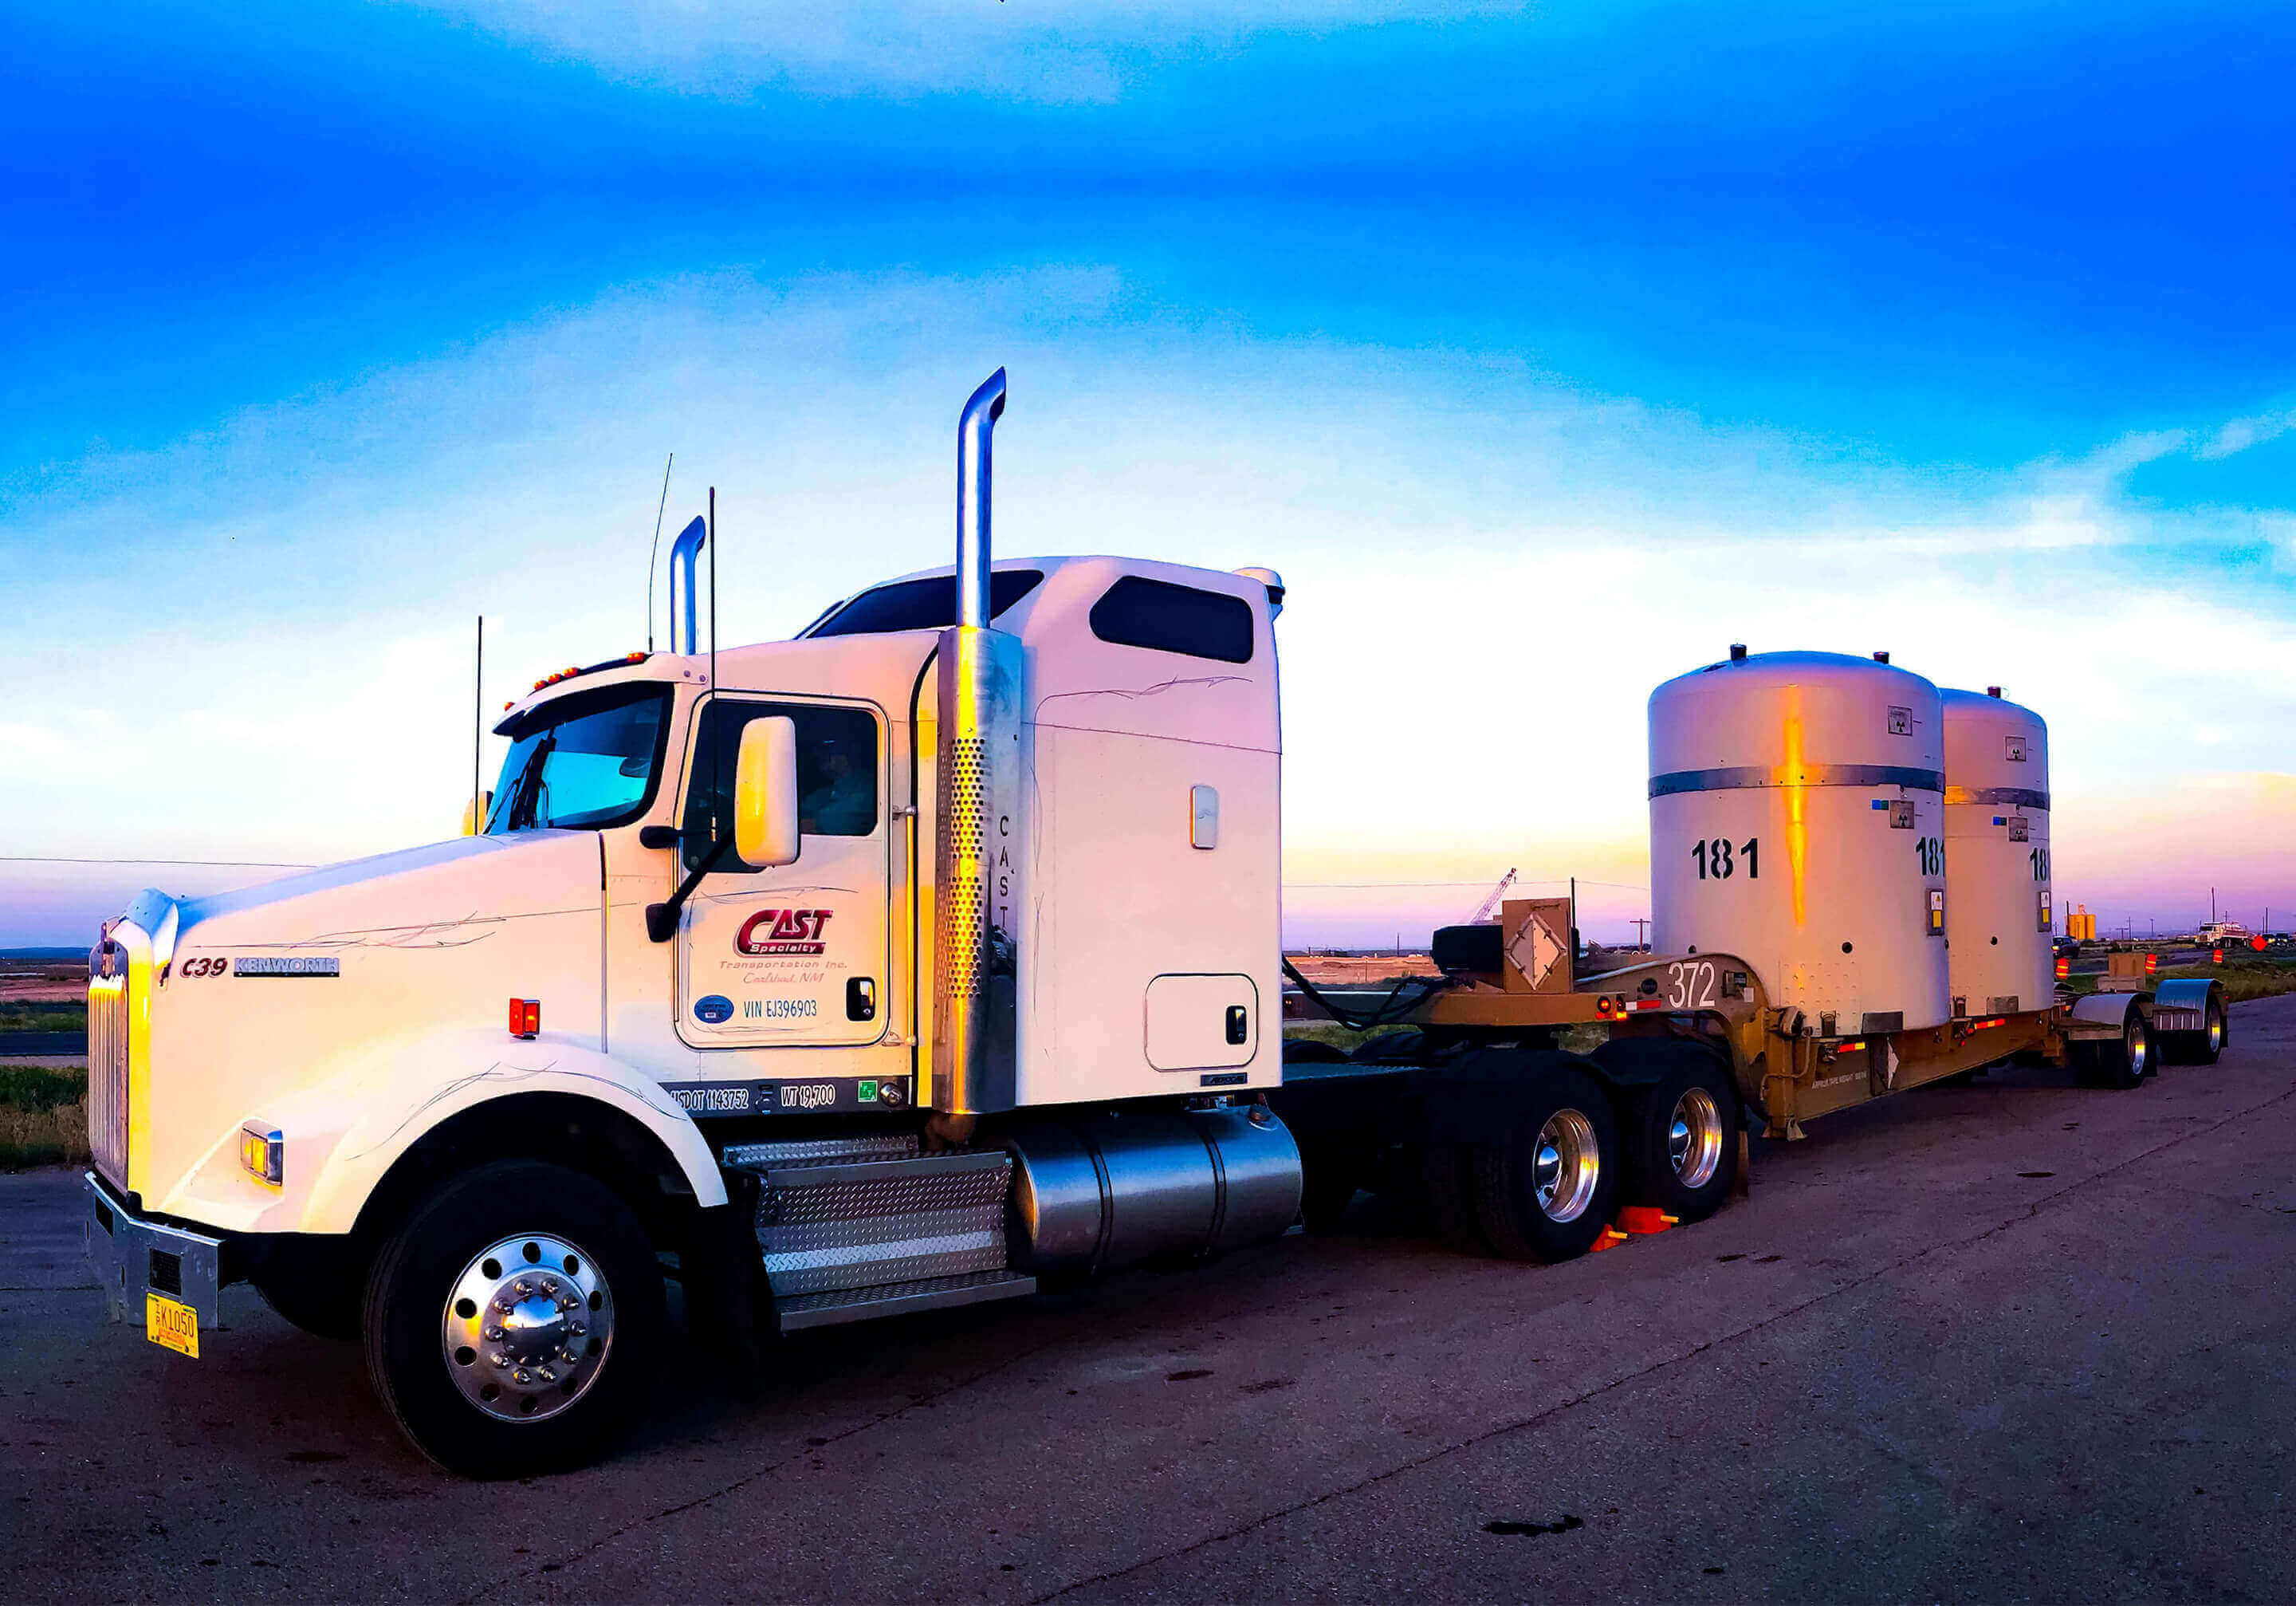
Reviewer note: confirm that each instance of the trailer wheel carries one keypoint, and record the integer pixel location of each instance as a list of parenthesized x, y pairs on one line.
[(2119, 1063), (1547, 1190), (1678, 1137), (2205, 1046), (511, 1323)]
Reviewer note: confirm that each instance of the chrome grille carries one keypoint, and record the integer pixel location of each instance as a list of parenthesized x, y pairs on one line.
[(107, 1062)]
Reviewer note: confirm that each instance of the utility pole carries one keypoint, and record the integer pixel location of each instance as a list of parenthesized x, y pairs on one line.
[(1641, 926)]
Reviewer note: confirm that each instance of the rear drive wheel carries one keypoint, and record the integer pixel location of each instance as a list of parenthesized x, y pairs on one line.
[(1447, 1178), (1678, 1139), (1547, 1189), (513, 1322)]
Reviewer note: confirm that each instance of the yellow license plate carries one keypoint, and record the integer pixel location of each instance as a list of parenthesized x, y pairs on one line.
[(171, 1322)]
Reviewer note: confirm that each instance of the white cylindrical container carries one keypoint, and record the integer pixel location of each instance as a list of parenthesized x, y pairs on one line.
[(1798, 820), (1999, 919)]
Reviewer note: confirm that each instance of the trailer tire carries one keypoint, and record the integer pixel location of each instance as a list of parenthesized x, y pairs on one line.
[(2205, 1046), (1678, 1137), (568, 1256), (1547, 1189), (2119, 1063)]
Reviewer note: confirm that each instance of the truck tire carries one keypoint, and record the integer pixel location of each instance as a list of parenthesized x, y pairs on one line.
[(513, 1322), (2119, 1063), (324, 1307), (1332, 1168), (1448, 1192), (1678, 1137), (1546, 1191)]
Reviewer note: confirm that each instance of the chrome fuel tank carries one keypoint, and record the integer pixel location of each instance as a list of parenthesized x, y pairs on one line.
[(1119, 1187)]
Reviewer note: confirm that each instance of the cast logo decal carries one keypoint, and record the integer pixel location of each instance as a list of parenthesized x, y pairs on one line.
[(782, 931), (714, 1010)]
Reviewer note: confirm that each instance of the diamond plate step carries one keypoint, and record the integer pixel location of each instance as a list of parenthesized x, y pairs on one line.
[(899, 1299), (829, 1223)]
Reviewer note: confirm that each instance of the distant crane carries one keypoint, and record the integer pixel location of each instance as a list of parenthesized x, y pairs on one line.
[(1483, 910)]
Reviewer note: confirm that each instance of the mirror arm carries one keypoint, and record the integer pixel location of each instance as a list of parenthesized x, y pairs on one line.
[(662, 919)]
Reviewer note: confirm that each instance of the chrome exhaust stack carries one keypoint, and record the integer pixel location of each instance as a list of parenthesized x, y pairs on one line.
[(681, 554), (977, 884)]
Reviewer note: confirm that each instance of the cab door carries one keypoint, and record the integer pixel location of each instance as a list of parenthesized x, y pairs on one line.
[(798, 955)]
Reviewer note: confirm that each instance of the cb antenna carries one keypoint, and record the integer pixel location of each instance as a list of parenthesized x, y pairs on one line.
[(713, 590), (478, 729), (656, 549)]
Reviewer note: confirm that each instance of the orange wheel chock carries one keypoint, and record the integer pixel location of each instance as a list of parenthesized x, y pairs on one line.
[(1611, 1239), (1642, 1220)]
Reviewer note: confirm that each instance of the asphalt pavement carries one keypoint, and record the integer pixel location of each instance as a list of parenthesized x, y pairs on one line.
[(2015, 1340)]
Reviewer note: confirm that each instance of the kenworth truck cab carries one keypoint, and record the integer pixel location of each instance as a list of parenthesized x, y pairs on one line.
[(745, 950)]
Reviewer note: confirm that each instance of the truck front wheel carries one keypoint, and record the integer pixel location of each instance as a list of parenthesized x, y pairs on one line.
[(513, 1322), (323, 1305)]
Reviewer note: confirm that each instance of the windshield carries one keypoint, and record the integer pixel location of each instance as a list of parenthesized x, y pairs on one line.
[(583, 762)]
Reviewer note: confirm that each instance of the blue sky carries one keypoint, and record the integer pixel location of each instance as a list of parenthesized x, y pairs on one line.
[(1626, 330)]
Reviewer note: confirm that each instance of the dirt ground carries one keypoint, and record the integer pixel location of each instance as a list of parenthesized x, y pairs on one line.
[(2015, 1340)]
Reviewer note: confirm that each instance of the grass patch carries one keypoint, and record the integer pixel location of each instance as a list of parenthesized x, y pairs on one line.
[(2243, 979), (43, 1117), (43, 1017)]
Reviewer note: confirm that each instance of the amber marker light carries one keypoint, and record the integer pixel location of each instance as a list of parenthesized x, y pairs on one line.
[(263, 1155)]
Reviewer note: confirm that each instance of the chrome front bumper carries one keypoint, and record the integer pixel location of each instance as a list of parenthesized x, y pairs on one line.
[(132, 1257)]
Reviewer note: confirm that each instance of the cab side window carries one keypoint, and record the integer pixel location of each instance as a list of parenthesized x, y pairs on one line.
[(836, 773)]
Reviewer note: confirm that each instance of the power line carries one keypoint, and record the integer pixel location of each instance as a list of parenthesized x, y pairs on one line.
[(1363, 885), (218, 864)]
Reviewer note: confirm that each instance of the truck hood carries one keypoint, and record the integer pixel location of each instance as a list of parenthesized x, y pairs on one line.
[(447, 894)]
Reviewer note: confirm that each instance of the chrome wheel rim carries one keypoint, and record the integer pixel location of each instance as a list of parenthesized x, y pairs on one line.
[(1694, 1137), (2216, 1033), (1566, 1166), (2140, 1051), (527, 1328)]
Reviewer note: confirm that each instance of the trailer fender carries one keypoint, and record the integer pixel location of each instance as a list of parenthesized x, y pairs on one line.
[(2182, 1005), (2103, 1015), (342, 1136)]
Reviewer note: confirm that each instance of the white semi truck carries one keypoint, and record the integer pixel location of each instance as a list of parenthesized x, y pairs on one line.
[(935, 954)]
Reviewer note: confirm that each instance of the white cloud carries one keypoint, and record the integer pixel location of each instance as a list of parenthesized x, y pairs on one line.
[(1489, 568), (1042, 50)]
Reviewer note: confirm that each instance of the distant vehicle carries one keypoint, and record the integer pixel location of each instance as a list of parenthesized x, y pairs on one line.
[(2222, 934)]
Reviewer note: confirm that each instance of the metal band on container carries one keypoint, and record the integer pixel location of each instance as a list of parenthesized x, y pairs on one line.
[(1738, 776), (2014, 797)]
